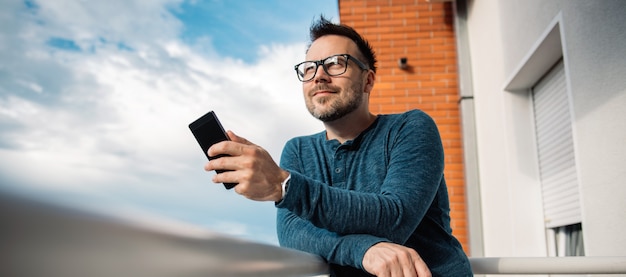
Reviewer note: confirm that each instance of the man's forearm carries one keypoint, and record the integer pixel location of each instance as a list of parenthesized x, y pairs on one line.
[(297, 233)]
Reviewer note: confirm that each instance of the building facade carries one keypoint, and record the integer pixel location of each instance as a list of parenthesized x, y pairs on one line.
[(548, 93)]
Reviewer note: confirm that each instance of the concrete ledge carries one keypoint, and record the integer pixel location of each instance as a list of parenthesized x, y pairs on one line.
[(549, 265), (43, 239)]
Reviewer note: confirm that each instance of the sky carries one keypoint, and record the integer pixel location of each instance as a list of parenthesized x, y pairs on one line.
[(96, 98)]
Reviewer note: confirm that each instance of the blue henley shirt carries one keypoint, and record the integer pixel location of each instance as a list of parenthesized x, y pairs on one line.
[(386, 185)]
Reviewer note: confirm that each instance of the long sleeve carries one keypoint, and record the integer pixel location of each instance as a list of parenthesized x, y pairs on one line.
[(347, 250), (385, 185), (390, 186)]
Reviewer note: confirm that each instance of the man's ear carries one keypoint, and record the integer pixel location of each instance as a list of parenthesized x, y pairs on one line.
[(369, 82)]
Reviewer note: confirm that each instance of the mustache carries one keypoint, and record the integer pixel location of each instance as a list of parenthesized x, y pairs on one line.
[(324, 87)]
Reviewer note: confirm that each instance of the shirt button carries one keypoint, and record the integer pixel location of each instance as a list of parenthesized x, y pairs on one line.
[(337, 170)]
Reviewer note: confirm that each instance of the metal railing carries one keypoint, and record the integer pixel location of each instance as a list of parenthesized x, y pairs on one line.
[(549, 265), (42, 239)]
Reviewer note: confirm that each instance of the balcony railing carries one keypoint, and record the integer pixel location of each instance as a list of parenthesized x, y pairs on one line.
[(549, 265), (41, 239)]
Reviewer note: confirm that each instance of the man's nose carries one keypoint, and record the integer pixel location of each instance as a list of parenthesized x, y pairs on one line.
[(321, 75)]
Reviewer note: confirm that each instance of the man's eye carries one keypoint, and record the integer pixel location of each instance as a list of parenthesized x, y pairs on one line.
[(331, 61), (307, 68), (335, 62)]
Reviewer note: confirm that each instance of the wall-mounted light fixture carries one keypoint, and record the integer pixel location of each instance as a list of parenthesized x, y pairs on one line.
[(402, 63)]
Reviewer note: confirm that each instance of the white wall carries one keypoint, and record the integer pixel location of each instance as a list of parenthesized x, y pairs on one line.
[(593, 34)]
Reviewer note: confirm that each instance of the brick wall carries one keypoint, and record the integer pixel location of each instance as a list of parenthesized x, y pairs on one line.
[(423, 33)]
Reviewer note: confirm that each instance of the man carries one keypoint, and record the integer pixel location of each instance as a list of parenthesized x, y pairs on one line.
[(367, 194)]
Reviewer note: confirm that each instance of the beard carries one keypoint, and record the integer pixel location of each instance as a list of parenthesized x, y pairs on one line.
[(340, 105)]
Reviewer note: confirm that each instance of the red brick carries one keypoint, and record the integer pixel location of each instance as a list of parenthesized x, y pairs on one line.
[(391, 9), (377, 2)]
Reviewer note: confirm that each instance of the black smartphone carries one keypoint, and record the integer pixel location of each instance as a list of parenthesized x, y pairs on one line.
[(208, 131)]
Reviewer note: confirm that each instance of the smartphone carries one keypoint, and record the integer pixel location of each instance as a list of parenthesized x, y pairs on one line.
[(208, 131)]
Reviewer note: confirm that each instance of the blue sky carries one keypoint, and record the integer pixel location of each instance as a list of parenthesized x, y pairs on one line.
[(237, 28), (95, 98)]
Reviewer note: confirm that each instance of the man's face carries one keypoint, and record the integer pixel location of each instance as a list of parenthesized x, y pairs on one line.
[(330, 98)]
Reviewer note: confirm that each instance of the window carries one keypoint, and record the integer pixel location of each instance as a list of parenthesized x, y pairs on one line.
[(557, 164)]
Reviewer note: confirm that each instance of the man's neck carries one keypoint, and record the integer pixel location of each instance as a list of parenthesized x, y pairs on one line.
[(349, 127)]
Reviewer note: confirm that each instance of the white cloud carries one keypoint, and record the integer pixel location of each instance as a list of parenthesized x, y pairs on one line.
[(110, 123)]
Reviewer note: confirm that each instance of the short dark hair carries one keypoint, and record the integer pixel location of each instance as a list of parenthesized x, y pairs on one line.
[(324, 27)]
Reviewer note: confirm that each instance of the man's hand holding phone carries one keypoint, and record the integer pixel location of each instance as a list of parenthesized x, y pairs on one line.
[(257, 176), (208, 131), (238, 162)]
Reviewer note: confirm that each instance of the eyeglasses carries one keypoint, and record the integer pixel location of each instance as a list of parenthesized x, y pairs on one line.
[(334, 65)]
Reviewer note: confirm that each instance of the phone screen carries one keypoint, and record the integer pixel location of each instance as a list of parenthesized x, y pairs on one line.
[(208, 131)]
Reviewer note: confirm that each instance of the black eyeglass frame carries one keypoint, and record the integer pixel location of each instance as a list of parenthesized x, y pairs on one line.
[(321, 62)]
